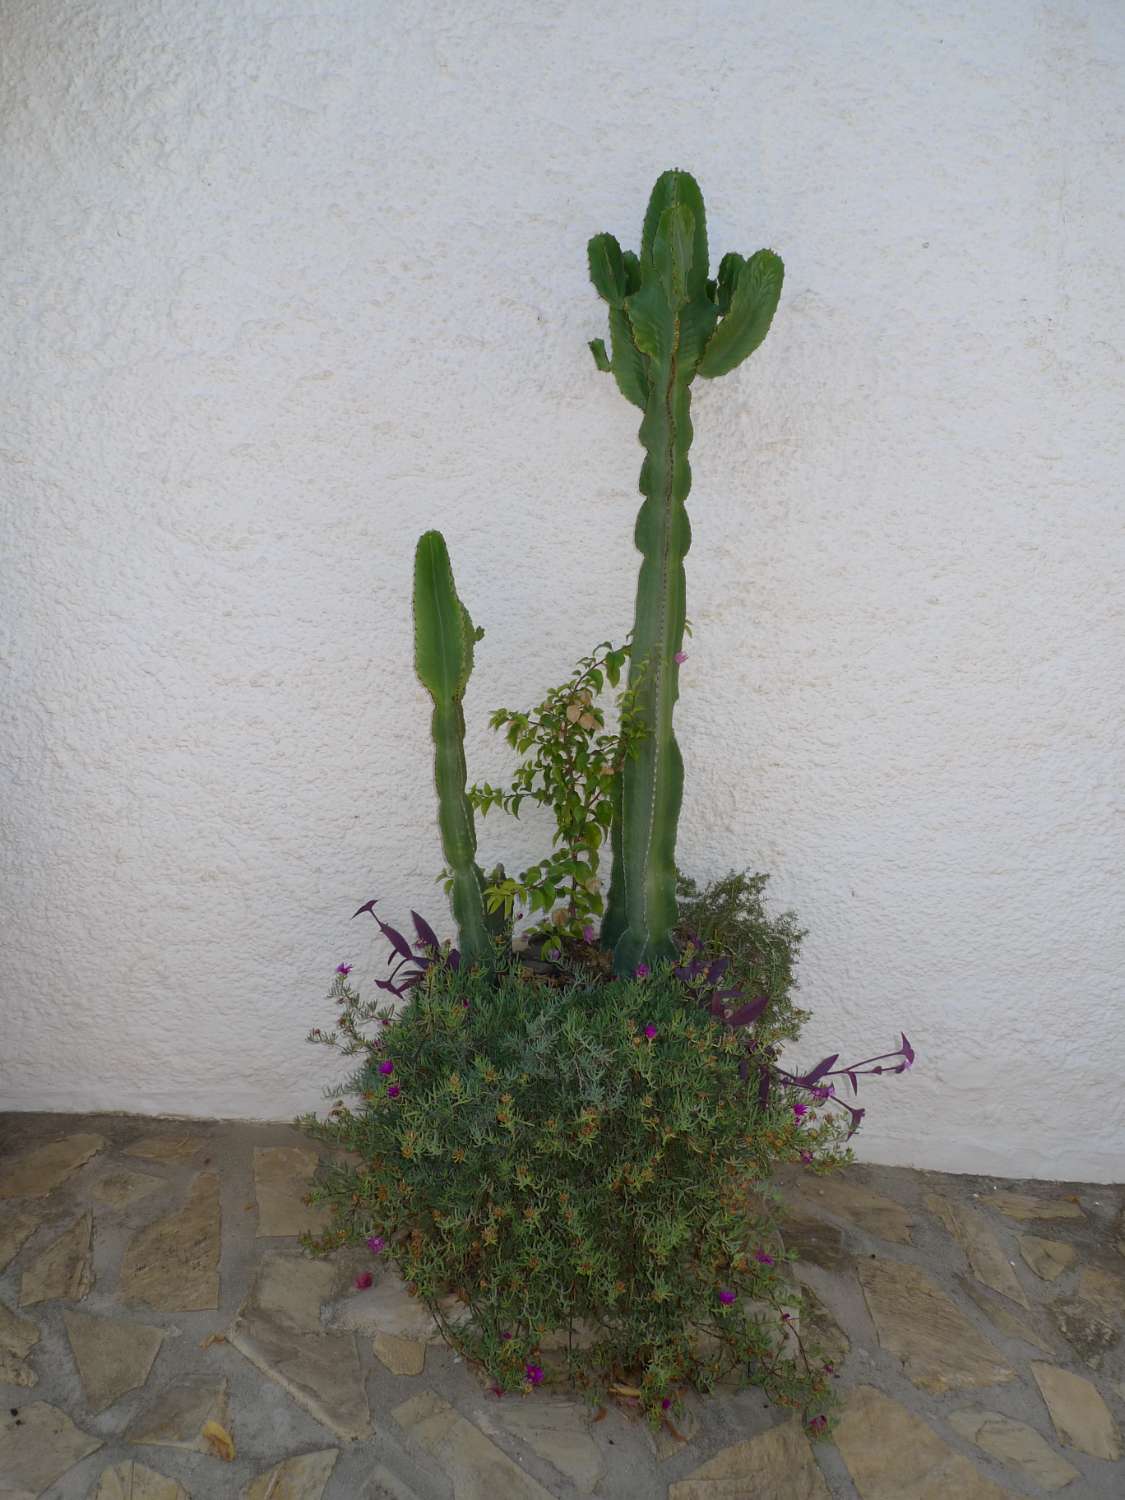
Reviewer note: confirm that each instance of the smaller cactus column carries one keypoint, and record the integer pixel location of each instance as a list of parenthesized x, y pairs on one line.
[(444, 637)]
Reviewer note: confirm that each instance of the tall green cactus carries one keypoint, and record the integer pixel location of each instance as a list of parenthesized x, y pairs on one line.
[(667, 323), (444, 637)]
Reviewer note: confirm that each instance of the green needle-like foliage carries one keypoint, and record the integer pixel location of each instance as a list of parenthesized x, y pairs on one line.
[(668, 322), (444, 637)]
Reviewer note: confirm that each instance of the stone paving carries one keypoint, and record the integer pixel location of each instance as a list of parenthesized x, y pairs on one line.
[(162, 1337)]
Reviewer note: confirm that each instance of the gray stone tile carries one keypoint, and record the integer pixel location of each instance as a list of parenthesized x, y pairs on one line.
[(174, 1149), (133, 1481), (1081, 1417), (37, 1445), (476, 1467), (173, 1264), (1017, 1445), (178, 1415), (278, 1330), (986, 1257), (120, 1189), (871, 1212), (15, 1230), (282, 1177), (39, 1172), (112, 1356), (939, 1348), (558, 1430), (892, 1454), (778, 1464), (300, 1478), (64, 1269), (1023, 1326), (1047, 1258), (400, 1356)]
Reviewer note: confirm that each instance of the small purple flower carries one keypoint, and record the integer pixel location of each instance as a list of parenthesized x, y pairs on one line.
[(650, 1031), (394, 1091), (806, 1157), (363, 1281), (588, 933), (800, 1109), (642, 971), (666, 1403), (818, 1425), (554, 953), (376, 1243), (465, 1003), (534, 1373), (679, 658), (726, 1296), (505, 1336), (826, 1091), (344, 969), (386, 1067), (762, 1258)]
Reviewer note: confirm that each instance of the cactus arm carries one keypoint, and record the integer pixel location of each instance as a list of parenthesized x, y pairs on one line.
[(753, 300), (443, 657)]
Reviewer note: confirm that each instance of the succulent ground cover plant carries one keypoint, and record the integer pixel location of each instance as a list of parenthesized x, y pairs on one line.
[(570, 1143)]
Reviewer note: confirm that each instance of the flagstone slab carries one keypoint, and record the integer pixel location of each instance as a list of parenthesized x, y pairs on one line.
[(1025, 1207), (173, 1264), (120, 1189), (477, 1468), (1085, 1328), (173, 1149), (133, 1481), (278, 1330), (815, 1240), (983, 1250), (1047, 1258), (38, 1445), (1081, 1417), (871, 1212), (300, 1478), (387, 1307), (1015, 1444), (17, 1336), (15, 1230), (112, 1355), (282, 1177), (1104, 1289), (939, 1348), (893, 1455), (39, 1172), (177, 1416), (778, 1464), (400, 1356), (64, 1269), (1014, 1325), (558, 1430)]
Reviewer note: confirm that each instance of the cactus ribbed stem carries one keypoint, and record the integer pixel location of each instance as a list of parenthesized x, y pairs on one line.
[(663, 315)]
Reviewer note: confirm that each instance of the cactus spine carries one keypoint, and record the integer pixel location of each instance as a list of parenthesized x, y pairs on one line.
[(667, 322), (444, 637)]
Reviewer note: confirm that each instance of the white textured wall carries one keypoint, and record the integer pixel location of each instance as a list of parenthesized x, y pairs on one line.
[(282, 285)]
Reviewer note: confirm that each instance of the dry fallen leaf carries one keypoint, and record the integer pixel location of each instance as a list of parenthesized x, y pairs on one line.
[(212, 1338), (601, 1414), (219, 1440), (625, 1390)]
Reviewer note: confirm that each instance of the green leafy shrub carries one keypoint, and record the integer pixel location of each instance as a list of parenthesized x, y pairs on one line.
[(582, 1157)]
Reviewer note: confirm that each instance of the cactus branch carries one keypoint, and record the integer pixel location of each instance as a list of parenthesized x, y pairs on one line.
[(444, 637)]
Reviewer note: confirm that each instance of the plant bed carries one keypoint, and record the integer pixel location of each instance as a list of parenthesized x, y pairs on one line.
[(564, 1137)]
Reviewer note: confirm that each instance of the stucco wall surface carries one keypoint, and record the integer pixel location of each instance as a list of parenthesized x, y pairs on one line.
[(283, 285)]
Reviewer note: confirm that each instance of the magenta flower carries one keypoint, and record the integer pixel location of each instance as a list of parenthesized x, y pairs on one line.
[(344, 969), (726, 1296), (588, 933), (642, 971), (679, 658), (376, 1243), (363, 1281), (650, 1031), (818, 1425), (386, 1067), (505, 1336), (762, 1258), (534, 1373), (806, 1157), (800, 1109), (666, 1403), (394, 1091)]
